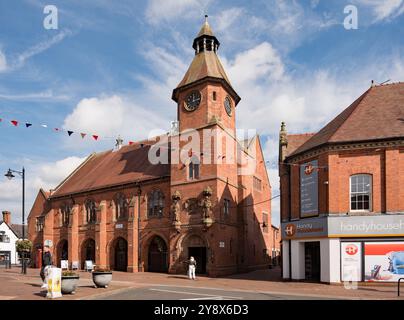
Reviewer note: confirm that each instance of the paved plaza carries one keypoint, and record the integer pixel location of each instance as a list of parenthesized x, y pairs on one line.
[(257, 285)]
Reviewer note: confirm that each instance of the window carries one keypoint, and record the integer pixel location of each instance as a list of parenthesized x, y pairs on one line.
[(361, 192), (265, 222), (3, 237), (65, 211), (214, 95), (121, 206), (194, 168), (256, 184), (91, 214), (226, 207), (39, 224), (155, 203)]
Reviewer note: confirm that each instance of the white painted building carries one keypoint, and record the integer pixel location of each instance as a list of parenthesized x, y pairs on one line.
[(9, 234)]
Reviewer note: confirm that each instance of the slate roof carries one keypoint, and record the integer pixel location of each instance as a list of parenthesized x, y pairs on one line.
[(111, 168), (377, 114)]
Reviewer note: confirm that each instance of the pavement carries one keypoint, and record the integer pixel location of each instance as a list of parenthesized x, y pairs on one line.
[(256, 285)]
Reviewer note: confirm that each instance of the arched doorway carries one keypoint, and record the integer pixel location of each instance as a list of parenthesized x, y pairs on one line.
[(88, 251), (157, 256), (121, 255), (195, 246), (62, 251)]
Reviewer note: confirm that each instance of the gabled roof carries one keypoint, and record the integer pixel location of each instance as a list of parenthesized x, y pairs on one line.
[(111, 168), (16, 229), (377, 114)]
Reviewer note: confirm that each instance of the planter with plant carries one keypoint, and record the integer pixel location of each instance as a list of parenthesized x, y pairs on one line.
[(23, 246), (70, 279), (101, 277)]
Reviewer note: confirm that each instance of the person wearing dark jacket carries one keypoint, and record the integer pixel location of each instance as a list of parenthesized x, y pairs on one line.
[(46, 261)]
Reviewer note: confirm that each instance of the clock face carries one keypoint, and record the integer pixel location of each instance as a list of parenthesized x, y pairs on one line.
[(227, 106), (192, 101)]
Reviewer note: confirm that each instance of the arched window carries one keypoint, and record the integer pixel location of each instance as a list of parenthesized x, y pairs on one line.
[(155, 202), (193, 168), (361, 192), (121, 205), (91, 215), (65, 211)]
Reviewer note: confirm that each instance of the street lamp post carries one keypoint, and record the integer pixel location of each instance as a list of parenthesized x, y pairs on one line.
[(139, 261), (10, 176)]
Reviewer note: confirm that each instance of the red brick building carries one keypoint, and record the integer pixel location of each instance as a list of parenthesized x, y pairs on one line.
[(342, 193), (126, 212)]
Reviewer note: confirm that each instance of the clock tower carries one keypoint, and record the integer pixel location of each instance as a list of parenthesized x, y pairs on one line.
[(204, 182), (205, 94)]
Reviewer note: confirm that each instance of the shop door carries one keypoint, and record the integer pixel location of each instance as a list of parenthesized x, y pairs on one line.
[(158, 256), (199, 253), (312, 261), (121, 255)]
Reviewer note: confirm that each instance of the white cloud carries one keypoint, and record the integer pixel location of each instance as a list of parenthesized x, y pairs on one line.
[(19, 60), (46, 175), (167, 10), (110, 116), (3, 62), (384, 10)]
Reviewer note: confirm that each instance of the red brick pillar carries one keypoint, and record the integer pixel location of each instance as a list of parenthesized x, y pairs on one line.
[(133, 236), (73, 235), (101, 236), (392, 171)]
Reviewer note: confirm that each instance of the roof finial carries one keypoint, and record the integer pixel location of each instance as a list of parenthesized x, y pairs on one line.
[(206, 18), (372, 83)]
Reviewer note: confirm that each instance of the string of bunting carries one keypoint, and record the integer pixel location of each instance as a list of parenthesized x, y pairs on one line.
[(96, 137), (17, 123)]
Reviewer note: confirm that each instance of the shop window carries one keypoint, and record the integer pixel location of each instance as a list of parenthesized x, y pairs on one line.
[(361, 192), (91, 214), (155, 203)]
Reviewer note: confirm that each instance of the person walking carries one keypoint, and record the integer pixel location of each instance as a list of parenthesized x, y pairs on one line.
[(191, 268), (46, 263)]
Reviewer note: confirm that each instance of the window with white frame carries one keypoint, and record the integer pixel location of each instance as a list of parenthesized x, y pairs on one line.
[(193, 168), (361, 192)]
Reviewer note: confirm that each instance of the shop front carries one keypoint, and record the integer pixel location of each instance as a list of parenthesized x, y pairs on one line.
[(344, 248)]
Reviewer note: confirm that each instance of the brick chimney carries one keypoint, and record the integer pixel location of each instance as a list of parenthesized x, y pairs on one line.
[(7, 217)]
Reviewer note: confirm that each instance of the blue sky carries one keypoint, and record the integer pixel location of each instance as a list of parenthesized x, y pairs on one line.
[(112, 64)]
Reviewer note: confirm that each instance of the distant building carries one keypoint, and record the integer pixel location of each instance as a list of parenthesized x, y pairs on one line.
[(123, 212), (342, 193), (276, 246), (9, 234)]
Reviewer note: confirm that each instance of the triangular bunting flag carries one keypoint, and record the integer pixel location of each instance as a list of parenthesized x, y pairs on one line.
[(14, 122), (69, 133), (56, 129), (131, 142), (83, 135), (95, 137), (44, 125), (28, 124)]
